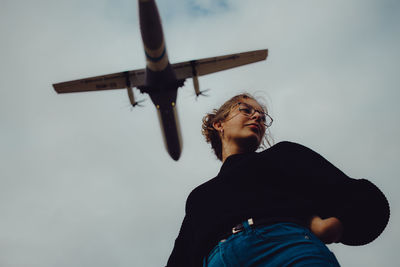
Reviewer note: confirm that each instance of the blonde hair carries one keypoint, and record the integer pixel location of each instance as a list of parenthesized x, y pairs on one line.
[(211, 134)]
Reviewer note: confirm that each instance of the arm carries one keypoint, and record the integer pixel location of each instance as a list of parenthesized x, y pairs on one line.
[(364, 211), (358, 204), (181, 253)]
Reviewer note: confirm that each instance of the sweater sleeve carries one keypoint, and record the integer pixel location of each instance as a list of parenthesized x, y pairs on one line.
[(361, 207)]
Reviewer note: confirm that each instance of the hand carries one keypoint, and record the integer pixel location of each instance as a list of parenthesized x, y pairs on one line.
[(328, 230)]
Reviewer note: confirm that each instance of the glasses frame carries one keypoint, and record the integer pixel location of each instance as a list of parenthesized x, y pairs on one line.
[(253, 111)]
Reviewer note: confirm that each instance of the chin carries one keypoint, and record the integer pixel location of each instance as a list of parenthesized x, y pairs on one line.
[(250, 143)]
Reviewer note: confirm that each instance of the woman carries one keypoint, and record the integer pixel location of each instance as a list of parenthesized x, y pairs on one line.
[(273, 208)]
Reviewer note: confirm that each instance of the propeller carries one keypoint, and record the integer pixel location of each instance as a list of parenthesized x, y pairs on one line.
[(199, 93), (137, 103)]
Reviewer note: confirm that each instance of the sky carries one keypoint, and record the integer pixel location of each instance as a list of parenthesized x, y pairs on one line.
[(85, 179)]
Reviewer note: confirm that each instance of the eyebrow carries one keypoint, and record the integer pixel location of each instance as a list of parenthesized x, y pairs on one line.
[(259, 111)]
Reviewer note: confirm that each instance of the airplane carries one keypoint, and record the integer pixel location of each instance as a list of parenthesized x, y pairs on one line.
[(160, 79)]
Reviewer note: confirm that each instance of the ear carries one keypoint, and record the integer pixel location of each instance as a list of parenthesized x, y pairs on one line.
[(217, 126)]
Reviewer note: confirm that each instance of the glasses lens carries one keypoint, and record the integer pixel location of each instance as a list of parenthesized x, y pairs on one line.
[(268, 120), (246, 110)]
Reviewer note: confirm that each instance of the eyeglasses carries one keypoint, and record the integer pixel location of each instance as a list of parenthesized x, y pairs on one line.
[(249, 111)]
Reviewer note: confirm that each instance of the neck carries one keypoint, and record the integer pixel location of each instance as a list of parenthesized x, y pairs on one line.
[(232, 149)]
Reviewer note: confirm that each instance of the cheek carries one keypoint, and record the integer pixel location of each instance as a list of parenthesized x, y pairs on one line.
[(235, 130)]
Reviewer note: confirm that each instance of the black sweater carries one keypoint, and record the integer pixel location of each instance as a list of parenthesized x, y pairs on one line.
[(287, 180)]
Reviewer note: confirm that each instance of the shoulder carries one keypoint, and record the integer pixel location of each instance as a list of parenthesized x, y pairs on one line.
[(291, 145), (292, 154), (287, 148)]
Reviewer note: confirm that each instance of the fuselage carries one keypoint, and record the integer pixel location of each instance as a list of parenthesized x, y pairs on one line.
[(161, 82)]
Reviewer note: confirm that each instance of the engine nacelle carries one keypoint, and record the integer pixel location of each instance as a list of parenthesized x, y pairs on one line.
[(196, 85), (132, 97)]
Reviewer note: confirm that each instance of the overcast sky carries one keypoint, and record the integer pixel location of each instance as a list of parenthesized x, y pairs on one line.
[(85, 179)]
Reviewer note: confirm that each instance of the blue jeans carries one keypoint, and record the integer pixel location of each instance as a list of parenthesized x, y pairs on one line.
[(281, 244)]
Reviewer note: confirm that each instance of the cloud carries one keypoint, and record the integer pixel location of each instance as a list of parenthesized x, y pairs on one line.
[(208, 7)]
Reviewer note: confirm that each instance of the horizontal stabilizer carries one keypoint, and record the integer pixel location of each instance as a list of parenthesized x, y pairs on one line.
[(209, 65), (118, 80)]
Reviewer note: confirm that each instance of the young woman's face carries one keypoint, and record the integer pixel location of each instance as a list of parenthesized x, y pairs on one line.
[(241, 128)]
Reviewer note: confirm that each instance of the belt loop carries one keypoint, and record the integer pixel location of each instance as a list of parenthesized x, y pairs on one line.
[(247, 224)]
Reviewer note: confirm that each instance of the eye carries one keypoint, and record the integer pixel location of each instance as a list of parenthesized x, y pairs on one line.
[(245, 110)]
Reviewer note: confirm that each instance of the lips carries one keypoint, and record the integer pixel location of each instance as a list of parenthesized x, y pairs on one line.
[(254, 126)]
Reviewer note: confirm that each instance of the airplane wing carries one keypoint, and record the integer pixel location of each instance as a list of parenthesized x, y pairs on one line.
[(183, 70), (118, 80), (209, 65)]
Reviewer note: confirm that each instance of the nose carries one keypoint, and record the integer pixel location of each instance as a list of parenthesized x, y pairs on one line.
[(257, 116)]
